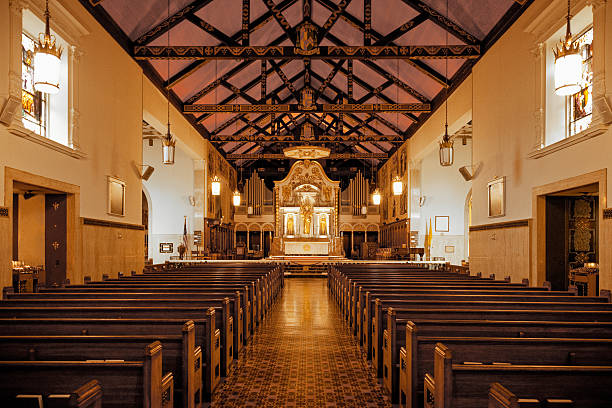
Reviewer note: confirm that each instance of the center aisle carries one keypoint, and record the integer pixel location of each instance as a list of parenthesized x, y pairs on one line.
[(302, 356)]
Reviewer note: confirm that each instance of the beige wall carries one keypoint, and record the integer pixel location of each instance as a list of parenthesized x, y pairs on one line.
[(503, 251), (505, 112), (111, 97), (31, 226), (109, 250), (109, 126)]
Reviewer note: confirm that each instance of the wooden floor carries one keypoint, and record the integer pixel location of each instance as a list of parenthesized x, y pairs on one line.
[(303, 356)]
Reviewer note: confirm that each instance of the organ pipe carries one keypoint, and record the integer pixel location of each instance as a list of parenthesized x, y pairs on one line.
[(358, 193)]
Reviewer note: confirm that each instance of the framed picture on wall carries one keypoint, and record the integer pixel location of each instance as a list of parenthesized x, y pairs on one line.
[(116, 196), (166, 247), (496, 192), (442, 223)]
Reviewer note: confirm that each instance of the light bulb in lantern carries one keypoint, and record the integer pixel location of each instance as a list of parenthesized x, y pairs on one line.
[(568, 63), (236, 198), (168, 148), (447, 151), (376, 197), (215, 186), (398, 186), (47, 60), (364, 210)]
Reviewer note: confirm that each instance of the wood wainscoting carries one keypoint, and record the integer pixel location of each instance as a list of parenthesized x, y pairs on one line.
[(501, 248), (111, 247)]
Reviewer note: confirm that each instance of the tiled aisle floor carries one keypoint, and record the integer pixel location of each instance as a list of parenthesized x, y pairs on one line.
[(302, 356)]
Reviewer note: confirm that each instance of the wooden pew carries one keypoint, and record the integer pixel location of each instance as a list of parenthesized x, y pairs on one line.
[(137, 383), (180, 355), (246, 301), (206, 355), (392, 337), (417, 358), (88, 395), (378, 323), (242, 325), (187, 308), (467, 385), (501, 397)]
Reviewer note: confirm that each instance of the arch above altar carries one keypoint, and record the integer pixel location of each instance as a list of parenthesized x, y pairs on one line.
[(306, 212)]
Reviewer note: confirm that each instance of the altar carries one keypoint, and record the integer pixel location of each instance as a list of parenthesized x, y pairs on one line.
[(306, 212)]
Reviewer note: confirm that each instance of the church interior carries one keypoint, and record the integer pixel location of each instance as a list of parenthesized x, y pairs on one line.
[(305, 203)]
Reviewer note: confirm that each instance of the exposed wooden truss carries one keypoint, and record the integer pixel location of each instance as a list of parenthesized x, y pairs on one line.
[(319, 108), (281, 156), (413, 52)]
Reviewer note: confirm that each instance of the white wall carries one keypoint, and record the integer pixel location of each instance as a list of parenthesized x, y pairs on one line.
[(445, 192), (168, 188)]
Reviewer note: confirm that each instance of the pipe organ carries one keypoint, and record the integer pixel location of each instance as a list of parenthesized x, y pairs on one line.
[(358, 192), (255, 190)]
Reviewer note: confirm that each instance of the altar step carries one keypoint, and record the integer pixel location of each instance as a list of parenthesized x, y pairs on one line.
[(294, 270)]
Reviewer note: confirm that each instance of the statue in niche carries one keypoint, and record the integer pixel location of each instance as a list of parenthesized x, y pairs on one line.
[(323, 225), (306, 211), (290, 228)]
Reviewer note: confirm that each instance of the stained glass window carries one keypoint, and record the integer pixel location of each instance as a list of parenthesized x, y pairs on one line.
[(580, 105), (33, 104)]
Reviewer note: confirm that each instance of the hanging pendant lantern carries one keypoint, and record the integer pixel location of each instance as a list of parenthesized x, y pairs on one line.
[(236, 198), (215, 186), (568, 63), (47, 60), (447, 151), (398, 186), (168, 148), (376, 197)]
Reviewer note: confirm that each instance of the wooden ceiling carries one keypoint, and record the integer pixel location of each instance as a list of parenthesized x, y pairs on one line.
[(378, 70)]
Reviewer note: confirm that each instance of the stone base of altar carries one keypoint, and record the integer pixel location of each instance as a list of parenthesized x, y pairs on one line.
[(306, 259), (306, 248)]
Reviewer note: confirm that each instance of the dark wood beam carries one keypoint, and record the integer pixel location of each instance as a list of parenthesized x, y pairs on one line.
[(212, 30), (246, 20), (281, 20), (401, 30), (306, 10), (328, 79), (281, 156), (171, 21), (413, 52), (336, 12), (367, 22), (443, 21), (299, 108)]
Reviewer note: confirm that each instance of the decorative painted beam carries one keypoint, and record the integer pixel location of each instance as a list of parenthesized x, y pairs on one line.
[(281, 156), (367, 22), (320, 138), (314, 108), (212, 30), (413, 52), (246, 19)]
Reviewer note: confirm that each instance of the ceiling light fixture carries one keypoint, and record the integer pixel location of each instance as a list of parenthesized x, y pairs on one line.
[(447, 152), (47, 60), (168, 142), (568, 63)]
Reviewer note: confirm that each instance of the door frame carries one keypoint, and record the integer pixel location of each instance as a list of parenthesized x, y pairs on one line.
[(73, 209), (538, 232)]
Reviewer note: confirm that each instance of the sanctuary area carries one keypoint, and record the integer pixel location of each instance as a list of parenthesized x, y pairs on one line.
[(305, 203)]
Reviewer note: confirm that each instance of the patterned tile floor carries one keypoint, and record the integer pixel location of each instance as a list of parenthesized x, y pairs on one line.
[(302, 356)]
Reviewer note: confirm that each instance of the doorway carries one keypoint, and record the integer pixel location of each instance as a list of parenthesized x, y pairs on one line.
[(40, 233), (566, 230), (45, 224), (571, 233)]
